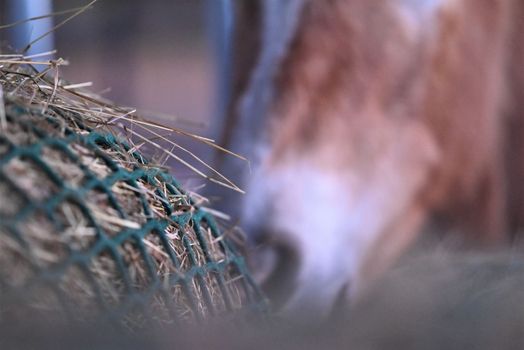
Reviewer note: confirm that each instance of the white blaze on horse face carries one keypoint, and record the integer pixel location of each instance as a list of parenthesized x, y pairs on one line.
[(419, 10), (419, 17)]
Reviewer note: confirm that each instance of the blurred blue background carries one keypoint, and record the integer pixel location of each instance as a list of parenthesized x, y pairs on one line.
[(168, 59)]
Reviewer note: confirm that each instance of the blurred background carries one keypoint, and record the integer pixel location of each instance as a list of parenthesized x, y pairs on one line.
[(162, 57)]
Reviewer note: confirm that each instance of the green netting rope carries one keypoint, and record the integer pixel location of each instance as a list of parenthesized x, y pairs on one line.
[(191, 279)]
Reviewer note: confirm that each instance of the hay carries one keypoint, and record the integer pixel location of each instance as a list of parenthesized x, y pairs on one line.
[(83, 248)]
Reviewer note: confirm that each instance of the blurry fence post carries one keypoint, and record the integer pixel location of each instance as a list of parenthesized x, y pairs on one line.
[(21, 35), (220, 27)]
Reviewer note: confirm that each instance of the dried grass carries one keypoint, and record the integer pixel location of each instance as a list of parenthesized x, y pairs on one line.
[(50, 243)]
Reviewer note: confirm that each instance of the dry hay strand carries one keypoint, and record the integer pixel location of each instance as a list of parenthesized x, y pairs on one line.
[(88, 226)]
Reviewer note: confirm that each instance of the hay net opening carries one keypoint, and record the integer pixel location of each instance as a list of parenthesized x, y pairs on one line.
[(89, 227)]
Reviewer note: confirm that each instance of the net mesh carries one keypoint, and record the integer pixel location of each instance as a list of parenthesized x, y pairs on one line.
[(87, 227)]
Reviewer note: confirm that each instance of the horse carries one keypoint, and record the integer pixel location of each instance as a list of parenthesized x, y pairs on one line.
[(370, 124)]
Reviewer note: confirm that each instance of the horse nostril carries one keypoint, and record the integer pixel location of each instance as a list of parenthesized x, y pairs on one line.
[(278, 257)]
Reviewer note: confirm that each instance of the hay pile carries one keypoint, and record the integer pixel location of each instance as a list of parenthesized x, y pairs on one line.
[(88, 226)]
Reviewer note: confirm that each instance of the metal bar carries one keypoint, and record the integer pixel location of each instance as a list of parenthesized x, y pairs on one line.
[(20, 35)]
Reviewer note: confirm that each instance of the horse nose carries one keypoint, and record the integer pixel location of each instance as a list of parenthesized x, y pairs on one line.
[(276, 260)]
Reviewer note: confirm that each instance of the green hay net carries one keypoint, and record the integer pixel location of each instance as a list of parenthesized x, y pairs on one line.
[(88, 228)]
